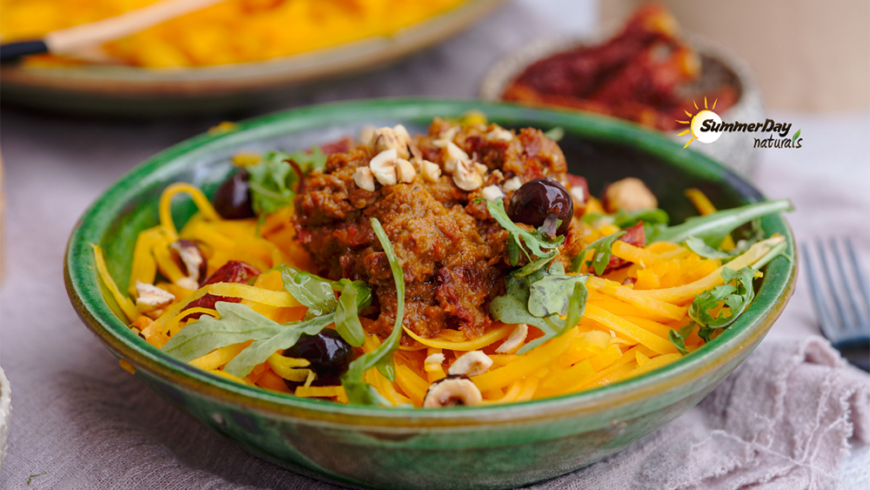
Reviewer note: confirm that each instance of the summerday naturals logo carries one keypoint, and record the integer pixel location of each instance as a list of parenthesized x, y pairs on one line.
[(706, 126)]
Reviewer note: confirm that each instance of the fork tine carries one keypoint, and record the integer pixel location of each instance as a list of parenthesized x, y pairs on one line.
[(848, 288), (862, 280), (845, 321), (826, 320)]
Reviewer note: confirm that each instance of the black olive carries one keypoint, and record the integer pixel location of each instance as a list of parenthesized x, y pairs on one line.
[(328, 353), (542, 202), (233, 198)]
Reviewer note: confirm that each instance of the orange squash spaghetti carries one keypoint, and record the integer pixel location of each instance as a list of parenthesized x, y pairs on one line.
[(278, 284)]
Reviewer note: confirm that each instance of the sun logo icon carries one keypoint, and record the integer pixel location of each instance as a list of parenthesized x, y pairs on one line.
[(697, 121)]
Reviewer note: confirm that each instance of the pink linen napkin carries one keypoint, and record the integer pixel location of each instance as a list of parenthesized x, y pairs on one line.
[(785, 419)]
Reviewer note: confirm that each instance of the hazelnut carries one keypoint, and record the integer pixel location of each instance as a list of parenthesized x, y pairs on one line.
[(150, 297), (467, 176), (364, 178), (366, 135), (405, 171), (513, 184), (493, 192), (515, 340), (433, 363), (455, 155), (449, 133), (431, 171), (194, 262), (402, 133), (456, 152), (471, 364), (383, 167), (499, 134), (452, 391), (187, 283), (578, 194), (629, 194), (390, 139)]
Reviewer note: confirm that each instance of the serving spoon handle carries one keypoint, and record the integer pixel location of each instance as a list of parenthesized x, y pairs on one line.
[(78, 39)]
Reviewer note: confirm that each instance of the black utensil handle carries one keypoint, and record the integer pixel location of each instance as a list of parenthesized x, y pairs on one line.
[(13, 51)]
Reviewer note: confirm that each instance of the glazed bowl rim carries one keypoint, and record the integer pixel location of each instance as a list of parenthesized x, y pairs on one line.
[(84, 291)]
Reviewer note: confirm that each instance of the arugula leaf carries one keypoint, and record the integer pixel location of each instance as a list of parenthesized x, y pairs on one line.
[(309, 160), (539, 299), (272, 178), (532, 244), (550, 294), (699, 247), (312, 291), (387, 368), (576, 305), (603, 251), (358, 391), (318, 294), (347, 322), (555, 134), (713, 228), (271, 183), (257, 353), (238, 323), (679, 338), (737, 294)]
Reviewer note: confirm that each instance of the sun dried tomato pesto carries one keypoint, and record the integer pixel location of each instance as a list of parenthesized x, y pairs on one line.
[(452, 253)]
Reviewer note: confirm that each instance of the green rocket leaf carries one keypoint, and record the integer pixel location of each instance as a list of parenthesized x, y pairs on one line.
[(358, 391)]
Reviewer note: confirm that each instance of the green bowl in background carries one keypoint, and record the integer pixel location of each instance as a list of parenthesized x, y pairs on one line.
[(460, 447)]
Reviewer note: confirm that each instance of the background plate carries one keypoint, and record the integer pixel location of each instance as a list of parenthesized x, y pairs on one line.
[(130, 91)]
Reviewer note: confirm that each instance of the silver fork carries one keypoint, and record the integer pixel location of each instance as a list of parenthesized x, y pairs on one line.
[(848, 329)]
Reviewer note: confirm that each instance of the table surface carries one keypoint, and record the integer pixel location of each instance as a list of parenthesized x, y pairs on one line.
[(56, 166)]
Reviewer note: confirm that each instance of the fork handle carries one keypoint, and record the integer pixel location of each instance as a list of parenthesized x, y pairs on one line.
[(13, 51)]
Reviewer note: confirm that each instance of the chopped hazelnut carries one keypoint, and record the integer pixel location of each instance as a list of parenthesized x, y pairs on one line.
[(433, 363), (194, 263), (449, 133), (187, 283), (466, 176), (455, 155), (493, 192), (405, 171), (390, 139), (499, 134), (431, 171), (451, 391), (402, 133), (515, 340), (383, 167), (629, 194), (364, 178), (471, 364), (150, 297), (513, 184), (366, 135)]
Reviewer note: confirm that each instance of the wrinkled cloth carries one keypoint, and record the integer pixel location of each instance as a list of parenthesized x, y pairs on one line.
[(783, 420)]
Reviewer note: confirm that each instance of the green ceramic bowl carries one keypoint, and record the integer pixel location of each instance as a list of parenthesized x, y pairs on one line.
[(462, 447)]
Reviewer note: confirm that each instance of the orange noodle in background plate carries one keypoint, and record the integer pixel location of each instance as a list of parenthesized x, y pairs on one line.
[(233, 31)]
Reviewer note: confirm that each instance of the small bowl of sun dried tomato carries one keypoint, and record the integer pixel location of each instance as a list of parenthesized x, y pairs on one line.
[(647, 72)]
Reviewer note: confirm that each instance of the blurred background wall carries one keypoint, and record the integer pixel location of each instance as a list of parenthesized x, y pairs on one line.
[(808, 55)]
